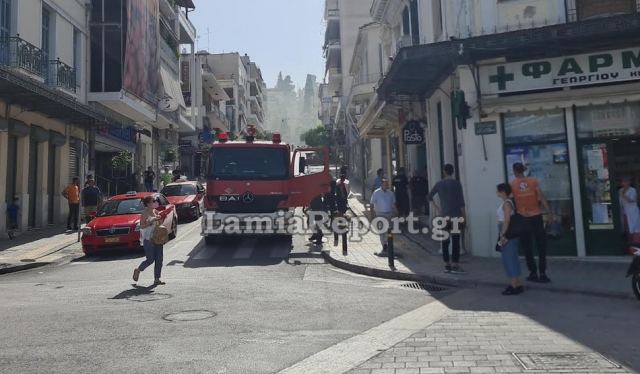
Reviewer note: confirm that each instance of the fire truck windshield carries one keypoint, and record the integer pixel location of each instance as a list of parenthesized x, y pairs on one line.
[(249, 163)]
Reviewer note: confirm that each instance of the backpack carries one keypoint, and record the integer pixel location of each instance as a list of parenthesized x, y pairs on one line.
[(160, 235)]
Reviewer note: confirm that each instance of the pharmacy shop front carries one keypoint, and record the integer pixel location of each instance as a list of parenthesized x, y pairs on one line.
[(575, 122)]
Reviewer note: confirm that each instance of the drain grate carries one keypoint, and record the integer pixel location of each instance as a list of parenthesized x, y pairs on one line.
[(561, 361), (423, 287), (189, 315)]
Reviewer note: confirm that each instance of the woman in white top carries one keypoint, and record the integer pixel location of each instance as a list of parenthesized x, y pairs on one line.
[(154, 253), (629, 207), (508, 247)]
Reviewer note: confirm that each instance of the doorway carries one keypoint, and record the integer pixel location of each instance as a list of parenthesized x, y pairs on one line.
[(33, 182), (604, 164), (51, 177)]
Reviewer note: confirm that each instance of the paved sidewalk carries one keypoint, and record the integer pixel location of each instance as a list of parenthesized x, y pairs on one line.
[(35, 248), (420, 261)]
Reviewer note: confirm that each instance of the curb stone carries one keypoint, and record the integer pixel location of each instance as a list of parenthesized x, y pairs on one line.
[(13, 268), (461, 283)]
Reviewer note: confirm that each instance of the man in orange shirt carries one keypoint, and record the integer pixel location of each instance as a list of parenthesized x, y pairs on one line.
[(528, 198), (72, 194)]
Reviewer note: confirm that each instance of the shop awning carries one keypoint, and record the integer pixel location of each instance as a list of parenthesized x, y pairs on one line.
[(172, 87), (186, 4), (19, 89), (419, 70), (213, 88)]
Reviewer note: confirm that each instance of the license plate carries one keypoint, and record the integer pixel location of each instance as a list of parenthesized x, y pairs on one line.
[(112, 240)]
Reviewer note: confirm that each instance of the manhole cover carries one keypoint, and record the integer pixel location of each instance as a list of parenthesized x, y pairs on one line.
[(564, 361), (189, 315), (143, 298), (423, 287)]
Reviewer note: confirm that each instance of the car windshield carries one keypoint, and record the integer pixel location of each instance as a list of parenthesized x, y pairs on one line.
[(120, 207), (179, 190), (249, 163)]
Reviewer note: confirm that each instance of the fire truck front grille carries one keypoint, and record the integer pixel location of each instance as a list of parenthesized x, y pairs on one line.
[(260, 204)]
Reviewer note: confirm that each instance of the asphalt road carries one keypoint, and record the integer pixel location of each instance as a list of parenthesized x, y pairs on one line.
[(266, 303)]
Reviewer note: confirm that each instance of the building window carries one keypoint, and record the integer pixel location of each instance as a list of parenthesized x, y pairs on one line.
[(608, 121), (589, 9), (437, 19), (540, 126), (77, 55), (106, 43), (46, 34), (5, 18)]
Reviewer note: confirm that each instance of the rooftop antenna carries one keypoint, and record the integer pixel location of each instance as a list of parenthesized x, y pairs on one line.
[(208, 40)]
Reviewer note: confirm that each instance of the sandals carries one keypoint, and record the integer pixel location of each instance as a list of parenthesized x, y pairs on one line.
[(136, 274)]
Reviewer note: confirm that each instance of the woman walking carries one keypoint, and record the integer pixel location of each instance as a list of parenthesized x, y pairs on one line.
[(153, 252), (508, 247), (630, 210)]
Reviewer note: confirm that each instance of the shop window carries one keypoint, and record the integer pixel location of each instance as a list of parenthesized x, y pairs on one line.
[(528, 127), (538, 140), (608, 121)]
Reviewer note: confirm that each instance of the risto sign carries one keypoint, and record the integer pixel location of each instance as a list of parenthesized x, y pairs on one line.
[(580, 70)]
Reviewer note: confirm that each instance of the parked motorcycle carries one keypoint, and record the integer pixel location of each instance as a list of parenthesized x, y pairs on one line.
[(634, 269)]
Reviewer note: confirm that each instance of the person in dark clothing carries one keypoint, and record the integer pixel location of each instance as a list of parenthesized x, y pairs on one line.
[(419, 192), (149, 179), (316, 205), (400, 187), (176, 175), (342, 194), (449, 192), (12, 215), (91, 197)]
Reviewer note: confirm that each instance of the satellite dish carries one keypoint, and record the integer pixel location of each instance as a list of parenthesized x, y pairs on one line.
[(168, 104)]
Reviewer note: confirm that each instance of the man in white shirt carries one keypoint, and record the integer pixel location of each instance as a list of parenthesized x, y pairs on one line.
[(383, 204)]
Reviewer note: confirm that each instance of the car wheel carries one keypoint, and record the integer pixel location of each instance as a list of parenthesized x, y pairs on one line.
[(174, 231)]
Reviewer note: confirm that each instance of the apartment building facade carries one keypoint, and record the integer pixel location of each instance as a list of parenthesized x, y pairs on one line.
[(552, 84), (45, 119)]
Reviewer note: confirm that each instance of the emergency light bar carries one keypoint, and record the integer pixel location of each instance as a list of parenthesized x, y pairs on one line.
[(223, 137)]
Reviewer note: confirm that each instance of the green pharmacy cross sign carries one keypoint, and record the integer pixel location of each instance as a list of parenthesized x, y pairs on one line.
[(568, 71)]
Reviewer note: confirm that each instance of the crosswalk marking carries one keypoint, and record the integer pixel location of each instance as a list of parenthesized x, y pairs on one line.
[(205, 253), (245, 250), (280, 252)]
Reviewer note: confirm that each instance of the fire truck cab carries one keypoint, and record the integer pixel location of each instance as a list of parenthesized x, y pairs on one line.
[(259, 181)]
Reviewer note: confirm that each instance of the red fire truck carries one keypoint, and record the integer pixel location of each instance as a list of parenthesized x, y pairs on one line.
[(260, 181)]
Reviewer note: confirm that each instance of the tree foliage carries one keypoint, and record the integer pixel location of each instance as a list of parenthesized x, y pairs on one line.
[(315, 137)]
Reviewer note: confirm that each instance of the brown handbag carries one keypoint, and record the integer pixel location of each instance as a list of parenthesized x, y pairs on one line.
[(160, 235)]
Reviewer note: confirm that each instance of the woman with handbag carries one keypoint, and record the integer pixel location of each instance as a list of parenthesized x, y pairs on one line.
[(508, 243), (154, 253)]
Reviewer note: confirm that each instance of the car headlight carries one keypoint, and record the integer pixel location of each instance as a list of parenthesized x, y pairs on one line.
[(137, 227), (87, 231)]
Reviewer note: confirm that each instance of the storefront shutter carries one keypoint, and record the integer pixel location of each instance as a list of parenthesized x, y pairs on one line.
[(73, 160)]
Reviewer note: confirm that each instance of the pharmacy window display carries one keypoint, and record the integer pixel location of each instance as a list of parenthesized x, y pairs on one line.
[(609, 147), (539, 141)]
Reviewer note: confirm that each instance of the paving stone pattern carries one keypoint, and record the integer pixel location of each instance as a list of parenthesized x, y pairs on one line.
[(474, 342)]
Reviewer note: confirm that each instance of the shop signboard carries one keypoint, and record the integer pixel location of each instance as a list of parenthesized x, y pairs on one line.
[(568, 71), (486, 128), (413, 133)]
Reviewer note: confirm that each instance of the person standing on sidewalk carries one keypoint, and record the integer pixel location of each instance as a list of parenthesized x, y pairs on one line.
[(449, 191), (419, 192), (630, 210), (383, 204), (400, 187), (149, 179), (91, 199), (508, 247), (154, 253), (12, 215), (377, 183), (72, 194), (528, 197)]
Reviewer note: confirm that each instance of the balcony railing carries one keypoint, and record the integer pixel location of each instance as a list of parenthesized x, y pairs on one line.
[(18, 53), (61, 75)]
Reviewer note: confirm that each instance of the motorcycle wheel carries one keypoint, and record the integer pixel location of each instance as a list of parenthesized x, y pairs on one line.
[(635, 284)]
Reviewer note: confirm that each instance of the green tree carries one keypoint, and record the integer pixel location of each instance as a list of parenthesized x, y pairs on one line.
[(315, 137)]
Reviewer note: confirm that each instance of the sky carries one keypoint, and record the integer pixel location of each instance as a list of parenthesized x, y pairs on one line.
[(279, 35)]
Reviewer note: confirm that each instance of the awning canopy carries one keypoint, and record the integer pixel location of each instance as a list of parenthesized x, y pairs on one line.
[(172, 87), (29, 93), (419, 70), (186, 4), (213, 88)]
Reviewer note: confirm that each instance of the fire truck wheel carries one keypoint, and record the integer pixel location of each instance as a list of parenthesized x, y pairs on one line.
[(209, 240)]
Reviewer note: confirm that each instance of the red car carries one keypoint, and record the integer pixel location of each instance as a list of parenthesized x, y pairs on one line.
[(188, 197), (117, 222)]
